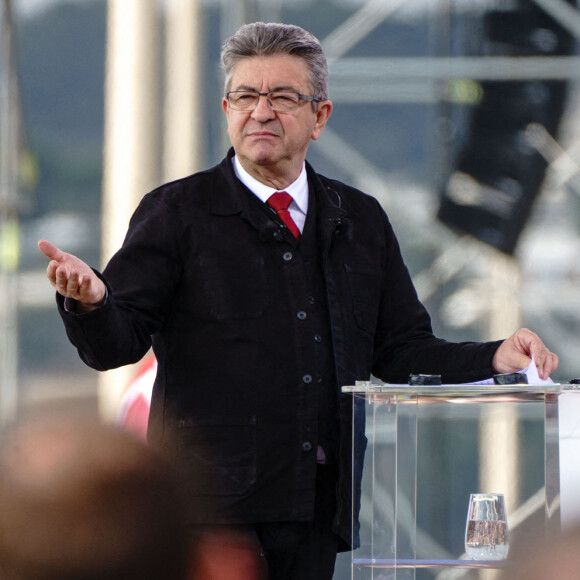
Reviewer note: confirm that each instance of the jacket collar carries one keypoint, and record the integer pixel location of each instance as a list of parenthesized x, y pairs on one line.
[(230, 197), (331, 216)]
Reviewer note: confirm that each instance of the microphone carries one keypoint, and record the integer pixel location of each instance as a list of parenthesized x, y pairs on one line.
[(272, 231)]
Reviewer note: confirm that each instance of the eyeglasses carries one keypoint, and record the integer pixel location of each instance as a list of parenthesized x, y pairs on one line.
[(279, 101)]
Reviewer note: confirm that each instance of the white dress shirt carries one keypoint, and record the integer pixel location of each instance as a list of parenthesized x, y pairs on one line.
[(298, 190)]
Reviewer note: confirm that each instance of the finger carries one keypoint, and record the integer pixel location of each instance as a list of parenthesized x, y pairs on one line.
[(550, 365), (555, 362), (62, 280), (84, 286), (84, 290), (543, 364), (51, 272), (525, 340), (72, 286), (523, 363), (50, 250), (543, 373), (540, 353), (531, 344)]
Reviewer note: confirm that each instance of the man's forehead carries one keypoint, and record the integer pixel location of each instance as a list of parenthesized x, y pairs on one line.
[(279, 71)]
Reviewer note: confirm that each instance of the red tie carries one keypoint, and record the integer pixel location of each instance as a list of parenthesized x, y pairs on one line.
[(280, 202)]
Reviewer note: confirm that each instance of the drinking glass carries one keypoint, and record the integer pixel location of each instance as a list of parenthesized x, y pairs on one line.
[(486, 532)]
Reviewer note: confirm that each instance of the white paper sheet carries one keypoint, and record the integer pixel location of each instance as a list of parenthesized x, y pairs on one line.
[(531, 372)]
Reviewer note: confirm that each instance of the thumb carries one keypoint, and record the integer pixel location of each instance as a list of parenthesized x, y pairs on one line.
[(509, 359), (520, 361), (50, 250)]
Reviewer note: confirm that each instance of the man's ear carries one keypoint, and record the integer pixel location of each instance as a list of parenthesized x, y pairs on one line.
[(323, 112)]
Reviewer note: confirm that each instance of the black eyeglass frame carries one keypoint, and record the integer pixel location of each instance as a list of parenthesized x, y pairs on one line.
[(301, 97)]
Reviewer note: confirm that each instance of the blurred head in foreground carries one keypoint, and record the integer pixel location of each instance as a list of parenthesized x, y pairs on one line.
[(555, 557), (83, 500)]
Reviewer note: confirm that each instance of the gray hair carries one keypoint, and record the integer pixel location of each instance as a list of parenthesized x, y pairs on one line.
[(267, 39)]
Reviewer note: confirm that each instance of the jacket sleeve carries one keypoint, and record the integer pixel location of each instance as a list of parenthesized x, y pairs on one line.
[(140, 279), (404, 339)]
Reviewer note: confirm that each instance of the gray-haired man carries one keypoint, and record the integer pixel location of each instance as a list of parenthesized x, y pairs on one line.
[(258, 313)]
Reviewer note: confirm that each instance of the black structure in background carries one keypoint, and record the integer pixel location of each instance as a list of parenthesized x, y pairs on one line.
[(497, 173)]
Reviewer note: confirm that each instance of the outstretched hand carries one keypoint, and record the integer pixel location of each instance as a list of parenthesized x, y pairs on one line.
[(514, 354), (72, 278)]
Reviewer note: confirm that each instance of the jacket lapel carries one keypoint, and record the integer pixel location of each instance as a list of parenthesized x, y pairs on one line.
[(232, 197)]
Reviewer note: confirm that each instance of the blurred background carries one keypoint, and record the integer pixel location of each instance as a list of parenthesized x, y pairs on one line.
[(460, 116)]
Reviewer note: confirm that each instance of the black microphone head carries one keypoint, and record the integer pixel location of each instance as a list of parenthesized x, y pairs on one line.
[(272, 231)]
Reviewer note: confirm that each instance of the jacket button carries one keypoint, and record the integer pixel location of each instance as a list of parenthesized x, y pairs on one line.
[(287, 256), (318, 338), (301, 315), (307, 378), (306, 446)]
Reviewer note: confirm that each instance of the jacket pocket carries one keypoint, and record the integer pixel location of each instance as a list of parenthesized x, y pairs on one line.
[(218, 453)]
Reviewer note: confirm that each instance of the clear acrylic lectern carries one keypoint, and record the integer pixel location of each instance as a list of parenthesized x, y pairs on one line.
[(429, 448)]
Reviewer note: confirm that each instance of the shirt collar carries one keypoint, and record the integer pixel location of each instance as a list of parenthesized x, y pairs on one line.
[(298, 189)]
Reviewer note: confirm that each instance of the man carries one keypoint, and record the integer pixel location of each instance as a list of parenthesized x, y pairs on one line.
[(257, 319)]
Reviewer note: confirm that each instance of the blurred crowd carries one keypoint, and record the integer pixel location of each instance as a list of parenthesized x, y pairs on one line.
[(81, 499)]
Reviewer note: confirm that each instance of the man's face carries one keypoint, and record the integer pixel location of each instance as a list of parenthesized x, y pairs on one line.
[(267, 140)]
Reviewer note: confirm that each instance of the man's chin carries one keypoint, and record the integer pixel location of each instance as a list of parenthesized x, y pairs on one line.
[(263, 153), (264, 161), (262, 158)]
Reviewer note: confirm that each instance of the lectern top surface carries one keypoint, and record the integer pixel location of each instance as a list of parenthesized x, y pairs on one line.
[(467, 390)]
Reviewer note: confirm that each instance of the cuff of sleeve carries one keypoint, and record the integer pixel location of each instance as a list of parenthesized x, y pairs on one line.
[(70, 304), (67, 306)]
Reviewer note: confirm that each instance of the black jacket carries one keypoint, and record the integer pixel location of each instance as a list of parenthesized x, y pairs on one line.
[(208, 278)]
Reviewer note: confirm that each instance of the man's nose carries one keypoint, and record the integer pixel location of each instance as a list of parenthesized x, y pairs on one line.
[(263, 110)]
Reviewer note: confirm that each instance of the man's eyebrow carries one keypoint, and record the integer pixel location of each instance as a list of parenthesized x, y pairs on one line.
[(245, 88), (280, 88)]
